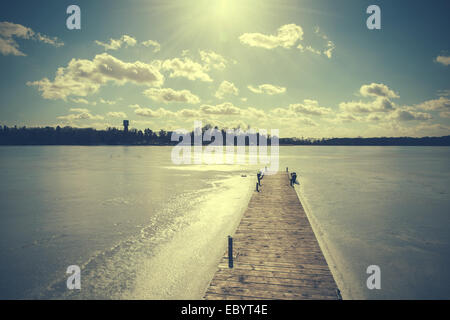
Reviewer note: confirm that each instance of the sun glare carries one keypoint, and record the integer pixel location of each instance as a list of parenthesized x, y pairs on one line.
[(222, 9)]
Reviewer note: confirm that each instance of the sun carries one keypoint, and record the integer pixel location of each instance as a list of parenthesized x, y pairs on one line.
[(223, 9), (211, 23)]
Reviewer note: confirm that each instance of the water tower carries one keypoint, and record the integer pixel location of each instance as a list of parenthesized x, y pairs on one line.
[(125, 125)]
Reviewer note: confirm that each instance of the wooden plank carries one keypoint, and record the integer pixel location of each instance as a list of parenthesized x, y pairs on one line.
[(293, 294), (274, 266), (307, 280), (276, 253), (218, 296), (276, 287)]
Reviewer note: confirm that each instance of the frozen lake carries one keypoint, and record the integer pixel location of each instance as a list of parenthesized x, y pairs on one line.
[(142, 227)]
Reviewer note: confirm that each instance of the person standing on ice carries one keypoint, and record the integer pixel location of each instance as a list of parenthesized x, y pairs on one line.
[(293, 178), (259, 175)]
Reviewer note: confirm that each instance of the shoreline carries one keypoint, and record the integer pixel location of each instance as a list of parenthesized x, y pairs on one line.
[(240, 210), (205, 145), (183, 267)]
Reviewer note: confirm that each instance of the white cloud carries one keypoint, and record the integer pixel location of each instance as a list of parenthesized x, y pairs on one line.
[(443, 93), (430, 129), (80, 110), (151, 43), (167, 95), (92, 103), (258, 113), (128, 41), (319, 33), (188, 113), (406, 114), (80, 100), (110, 102), (205, 112), (82, 77), (310, 49), (226, 88), (147, 112), (115, 44), (116, 114), (445, 60), (292, 116), (443, 103), (347, 117), (286, 37), (9, 31), (310, 107), (49, 40), (445, 114), (374, 117), (267, 89), (377, 90), (185, 68), (225, 108), (212, 60), (164, 113), (377, 105), (387, 115), (329, 49), (10, 47), (80, 114)]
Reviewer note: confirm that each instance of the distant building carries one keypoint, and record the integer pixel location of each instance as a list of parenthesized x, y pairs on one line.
[(126, 123)]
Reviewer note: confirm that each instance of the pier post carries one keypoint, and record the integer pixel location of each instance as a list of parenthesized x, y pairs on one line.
[(230, 252)]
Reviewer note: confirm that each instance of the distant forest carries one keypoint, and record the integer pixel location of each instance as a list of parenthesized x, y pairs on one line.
[(114, 136)]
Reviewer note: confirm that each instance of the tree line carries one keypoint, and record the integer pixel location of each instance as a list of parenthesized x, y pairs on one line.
[(113, 136)]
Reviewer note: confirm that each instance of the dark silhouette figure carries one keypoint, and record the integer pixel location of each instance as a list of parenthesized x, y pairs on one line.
[(293, 178), (260, 176)]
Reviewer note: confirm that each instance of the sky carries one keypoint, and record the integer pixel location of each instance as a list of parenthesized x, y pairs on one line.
[(310, 68)]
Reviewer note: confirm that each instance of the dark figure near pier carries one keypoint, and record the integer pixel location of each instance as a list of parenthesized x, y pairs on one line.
[(259, 175), (293, 178)]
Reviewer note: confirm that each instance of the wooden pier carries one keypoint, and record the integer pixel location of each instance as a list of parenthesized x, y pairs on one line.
[(276, 254)]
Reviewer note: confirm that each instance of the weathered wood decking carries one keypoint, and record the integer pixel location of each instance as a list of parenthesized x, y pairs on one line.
[(276, 254)]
